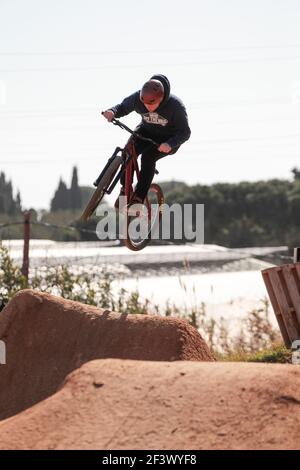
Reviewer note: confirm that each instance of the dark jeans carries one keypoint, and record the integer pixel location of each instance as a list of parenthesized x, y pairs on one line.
[(149, 157)]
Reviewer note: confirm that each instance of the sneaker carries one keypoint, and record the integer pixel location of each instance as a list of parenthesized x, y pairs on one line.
[(135, 199), (117, 202)]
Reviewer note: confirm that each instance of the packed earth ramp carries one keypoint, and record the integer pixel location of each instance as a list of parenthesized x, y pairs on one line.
[(123, 404), (47, 337)]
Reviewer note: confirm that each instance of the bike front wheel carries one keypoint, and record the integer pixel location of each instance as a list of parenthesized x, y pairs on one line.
[(103, 184), (141, 227)]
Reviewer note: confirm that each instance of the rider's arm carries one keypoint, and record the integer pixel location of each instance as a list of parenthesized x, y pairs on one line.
[(181, 125), (127, 106)]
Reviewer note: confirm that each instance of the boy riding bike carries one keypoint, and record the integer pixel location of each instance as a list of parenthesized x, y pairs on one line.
[(164, 119)]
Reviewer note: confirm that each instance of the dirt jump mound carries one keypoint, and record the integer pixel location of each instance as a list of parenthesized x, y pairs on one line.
[(117, 404), (47, 337)]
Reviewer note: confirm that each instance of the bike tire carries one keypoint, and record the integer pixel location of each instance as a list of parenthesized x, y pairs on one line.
[(99, 192), (128, 241)]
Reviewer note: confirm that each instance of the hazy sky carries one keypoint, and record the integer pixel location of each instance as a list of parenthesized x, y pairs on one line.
[(234, 63)]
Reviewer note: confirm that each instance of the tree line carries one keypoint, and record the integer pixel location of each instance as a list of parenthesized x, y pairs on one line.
[(261, 213), (72, 198), (8, 203)]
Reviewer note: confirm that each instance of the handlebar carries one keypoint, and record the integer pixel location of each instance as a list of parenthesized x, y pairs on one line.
[(116, 122)]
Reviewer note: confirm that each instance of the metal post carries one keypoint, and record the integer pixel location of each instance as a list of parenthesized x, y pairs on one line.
[(25, 266), (296, 255)]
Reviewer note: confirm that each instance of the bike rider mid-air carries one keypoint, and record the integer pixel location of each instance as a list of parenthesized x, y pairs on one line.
[(164, 119)]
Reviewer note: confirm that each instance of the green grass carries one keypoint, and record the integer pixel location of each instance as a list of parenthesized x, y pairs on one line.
[(278, 354), (257, 340)]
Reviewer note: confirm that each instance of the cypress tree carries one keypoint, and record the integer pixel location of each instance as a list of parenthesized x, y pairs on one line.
[(61, 197), (18, 202), (8, 205), (75, 193)]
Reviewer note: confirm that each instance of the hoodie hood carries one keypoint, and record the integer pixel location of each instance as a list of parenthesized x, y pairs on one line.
[(166, 84), (168, 123)]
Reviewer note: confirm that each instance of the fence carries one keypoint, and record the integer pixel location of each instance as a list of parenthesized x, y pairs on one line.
[(26, 235), (283, 286)]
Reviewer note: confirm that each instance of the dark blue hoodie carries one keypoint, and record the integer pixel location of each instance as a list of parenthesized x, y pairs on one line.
[(168, 123)]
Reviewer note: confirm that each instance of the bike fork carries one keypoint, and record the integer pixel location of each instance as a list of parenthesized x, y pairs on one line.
[(118, 149)]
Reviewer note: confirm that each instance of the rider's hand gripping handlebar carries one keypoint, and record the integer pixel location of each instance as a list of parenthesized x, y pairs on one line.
[(116, 122)]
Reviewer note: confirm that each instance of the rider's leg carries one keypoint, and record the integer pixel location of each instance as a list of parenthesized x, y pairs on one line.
[(139, 148), (148, 162), (148, 159)]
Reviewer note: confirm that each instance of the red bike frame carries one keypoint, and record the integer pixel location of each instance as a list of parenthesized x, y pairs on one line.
[(132, 167)]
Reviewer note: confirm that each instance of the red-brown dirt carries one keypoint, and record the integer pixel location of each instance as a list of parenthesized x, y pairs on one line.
[(48, 337), (118, 404)]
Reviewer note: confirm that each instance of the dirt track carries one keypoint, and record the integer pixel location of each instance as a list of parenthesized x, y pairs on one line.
[(48, 337), (115, 404), (168, 399)]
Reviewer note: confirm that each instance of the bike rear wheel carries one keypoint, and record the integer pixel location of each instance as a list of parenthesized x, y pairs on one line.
[(148, 223), (103, 184)]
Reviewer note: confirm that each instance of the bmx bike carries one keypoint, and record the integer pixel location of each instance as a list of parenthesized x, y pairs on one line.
[(147, 219)]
